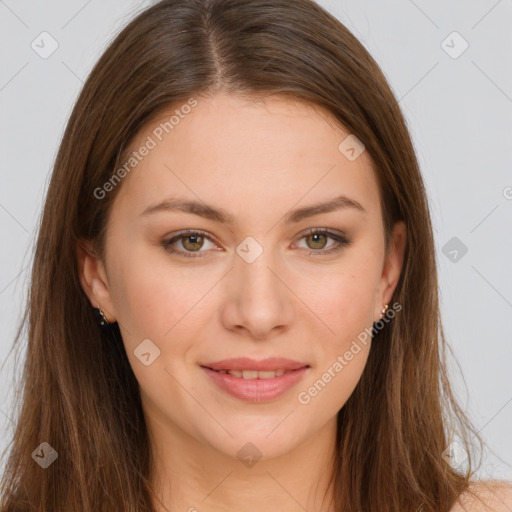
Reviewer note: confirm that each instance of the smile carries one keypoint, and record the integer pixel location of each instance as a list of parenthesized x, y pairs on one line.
[(255, 386)]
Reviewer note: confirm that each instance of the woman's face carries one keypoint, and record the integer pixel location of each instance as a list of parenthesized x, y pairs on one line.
[(250, 281)]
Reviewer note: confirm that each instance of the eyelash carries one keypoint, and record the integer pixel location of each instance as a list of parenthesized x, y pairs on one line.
[(341, 242)]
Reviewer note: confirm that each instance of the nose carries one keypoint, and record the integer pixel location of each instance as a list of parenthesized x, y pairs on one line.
[(256, 297)]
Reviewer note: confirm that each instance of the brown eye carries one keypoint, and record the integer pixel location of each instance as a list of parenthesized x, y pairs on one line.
[(319, 240), (196, 242), (193, 241), (191, 244)]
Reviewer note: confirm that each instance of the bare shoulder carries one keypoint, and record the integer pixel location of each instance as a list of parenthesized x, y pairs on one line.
[(491, 496)]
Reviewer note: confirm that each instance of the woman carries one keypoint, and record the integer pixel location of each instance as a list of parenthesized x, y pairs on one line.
[(234, 297)]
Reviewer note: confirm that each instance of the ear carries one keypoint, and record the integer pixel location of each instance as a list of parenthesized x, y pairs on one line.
[(93, 279), (392, 267)]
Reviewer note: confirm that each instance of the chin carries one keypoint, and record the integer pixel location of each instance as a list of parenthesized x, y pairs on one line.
[(250, 444)]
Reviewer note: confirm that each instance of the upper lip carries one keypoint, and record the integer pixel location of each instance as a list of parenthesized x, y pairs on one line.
[(245, 363)]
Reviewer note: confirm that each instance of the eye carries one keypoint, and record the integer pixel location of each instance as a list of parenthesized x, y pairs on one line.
[(192, 241), (318, 239)]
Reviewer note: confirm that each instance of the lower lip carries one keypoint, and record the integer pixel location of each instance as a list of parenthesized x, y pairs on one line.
[(256, 390)]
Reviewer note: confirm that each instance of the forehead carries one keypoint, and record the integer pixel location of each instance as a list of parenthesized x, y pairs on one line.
[(249, 153)]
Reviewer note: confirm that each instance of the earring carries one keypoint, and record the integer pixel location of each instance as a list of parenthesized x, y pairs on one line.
[(102, 319), (384, 309)]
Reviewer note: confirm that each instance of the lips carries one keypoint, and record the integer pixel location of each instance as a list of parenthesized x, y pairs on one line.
[(256, 381), (256, 390)]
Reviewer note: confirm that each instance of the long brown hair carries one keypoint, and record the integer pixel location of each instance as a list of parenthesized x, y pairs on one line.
[(78, 392)]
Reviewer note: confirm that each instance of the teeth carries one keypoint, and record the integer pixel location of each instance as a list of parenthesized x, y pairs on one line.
[(265, 375), (253, 374)]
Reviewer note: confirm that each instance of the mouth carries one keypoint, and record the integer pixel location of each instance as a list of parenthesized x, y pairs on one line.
[(255, 374), (258, 383)]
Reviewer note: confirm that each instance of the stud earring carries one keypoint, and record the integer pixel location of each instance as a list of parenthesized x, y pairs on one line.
[(384, 309), (102, 319)]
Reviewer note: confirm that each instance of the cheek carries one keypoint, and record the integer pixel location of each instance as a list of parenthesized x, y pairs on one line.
[(342, 298), (352, 363), (150, 297), (334, 380), (158, 301), (347, 312)]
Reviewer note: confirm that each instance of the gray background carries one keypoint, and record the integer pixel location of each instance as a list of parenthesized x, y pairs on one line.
[(459, 110)]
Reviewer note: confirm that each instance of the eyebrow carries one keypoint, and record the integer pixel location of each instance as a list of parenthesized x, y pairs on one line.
[(221, 215)]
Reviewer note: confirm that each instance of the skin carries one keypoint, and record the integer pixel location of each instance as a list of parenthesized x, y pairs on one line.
[(258, 160), (491, 496)]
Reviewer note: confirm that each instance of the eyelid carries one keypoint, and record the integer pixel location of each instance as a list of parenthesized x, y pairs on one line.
[(167, 243), (338, 236)]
